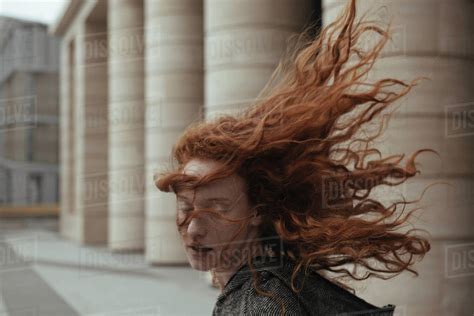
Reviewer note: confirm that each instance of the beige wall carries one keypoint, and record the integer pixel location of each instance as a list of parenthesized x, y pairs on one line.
[(46, 93), (16, 139), (431, 38), (196, 62), (16, 144), (45, 137), (45, 143)]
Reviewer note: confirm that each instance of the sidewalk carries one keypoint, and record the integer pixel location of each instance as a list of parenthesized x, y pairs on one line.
[(42, 273)]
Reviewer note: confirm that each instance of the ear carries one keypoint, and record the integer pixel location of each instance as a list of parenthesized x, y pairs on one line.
[(256, 220)]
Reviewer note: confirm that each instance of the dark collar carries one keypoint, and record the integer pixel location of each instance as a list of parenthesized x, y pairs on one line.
[(244, 273), (282, 267)]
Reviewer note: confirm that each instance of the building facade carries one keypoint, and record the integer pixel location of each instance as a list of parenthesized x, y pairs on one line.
[(29, 58), (135, 73)]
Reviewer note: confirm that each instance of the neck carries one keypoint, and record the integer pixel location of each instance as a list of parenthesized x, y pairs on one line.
[(222, 277)]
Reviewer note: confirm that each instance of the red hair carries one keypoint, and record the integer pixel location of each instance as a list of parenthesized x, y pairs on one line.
[(307, 160)]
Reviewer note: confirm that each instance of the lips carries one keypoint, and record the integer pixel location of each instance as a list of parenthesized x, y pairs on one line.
[(199, 249)]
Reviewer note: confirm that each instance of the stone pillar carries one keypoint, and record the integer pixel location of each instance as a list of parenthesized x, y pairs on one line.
[(78, 120), (126, 130), (174, 97), (83, 126), (63, 137), (244, 41), (95, 135), (68, 212), (434, 39)]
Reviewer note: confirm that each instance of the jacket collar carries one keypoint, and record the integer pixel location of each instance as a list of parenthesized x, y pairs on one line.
[(244, 273), (282, 267)]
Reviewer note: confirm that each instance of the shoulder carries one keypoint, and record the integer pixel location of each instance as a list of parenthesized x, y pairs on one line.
[(328, 297), (276, 295), (318, 295)]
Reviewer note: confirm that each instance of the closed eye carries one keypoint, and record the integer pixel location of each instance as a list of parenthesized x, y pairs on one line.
[(185, 210)]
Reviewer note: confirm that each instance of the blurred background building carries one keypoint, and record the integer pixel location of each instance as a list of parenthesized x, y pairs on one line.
[(135, 73), (29, 58)]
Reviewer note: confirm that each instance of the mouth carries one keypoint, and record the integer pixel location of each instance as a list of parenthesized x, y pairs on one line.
[(199, 249)]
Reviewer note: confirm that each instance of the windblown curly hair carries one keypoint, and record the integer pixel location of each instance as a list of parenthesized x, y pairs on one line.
[(307, 160)]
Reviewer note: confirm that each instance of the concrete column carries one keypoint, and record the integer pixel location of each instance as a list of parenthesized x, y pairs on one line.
[(95, 135), (84, 127), (126, 130), (174, 97), (67, 140), (434, 39), (87, 162), (244, 41), (78, 119)]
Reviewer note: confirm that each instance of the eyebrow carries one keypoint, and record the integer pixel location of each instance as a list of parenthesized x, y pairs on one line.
[(215, 199)]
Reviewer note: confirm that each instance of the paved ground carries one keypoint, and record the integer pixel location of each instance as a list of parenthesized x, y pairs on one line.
[(42, 273)]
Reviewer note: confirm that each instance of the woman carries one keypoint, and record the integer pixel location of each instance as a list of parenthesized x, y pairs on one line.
[(276, 198)]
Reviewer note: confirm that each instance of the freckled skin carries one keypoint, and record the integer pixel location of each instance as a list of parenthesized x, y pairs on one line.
[(214, 232)]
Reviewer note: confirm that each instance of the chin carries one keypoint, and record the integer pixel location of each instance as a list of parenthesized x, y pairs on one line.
[(198, 264)]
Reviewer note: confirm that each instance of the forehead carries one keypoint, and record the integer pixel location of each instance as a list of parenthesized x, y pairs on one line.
[(229, 187), (200, 167)]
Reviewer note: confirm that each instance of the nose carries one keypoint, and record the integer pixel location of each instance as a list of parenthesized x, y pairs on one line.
[(196, 229)]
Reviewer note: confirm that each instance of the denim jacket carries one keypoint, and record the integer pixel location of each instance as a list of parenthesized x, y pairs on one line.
[(319, 296)]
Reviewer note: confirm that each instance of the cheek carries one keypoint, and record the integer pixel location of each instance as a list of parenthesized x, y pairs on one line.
[(180, 226), (225, 232), (239, 217), (180, 217)]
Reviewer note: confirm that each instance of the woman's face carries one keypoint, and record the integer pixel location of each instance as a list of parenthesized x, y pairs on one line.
[(207, 239)]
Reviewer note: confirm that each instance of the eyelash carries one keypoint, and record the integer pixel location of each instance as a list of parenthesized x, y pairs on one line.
[(185, 210)]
